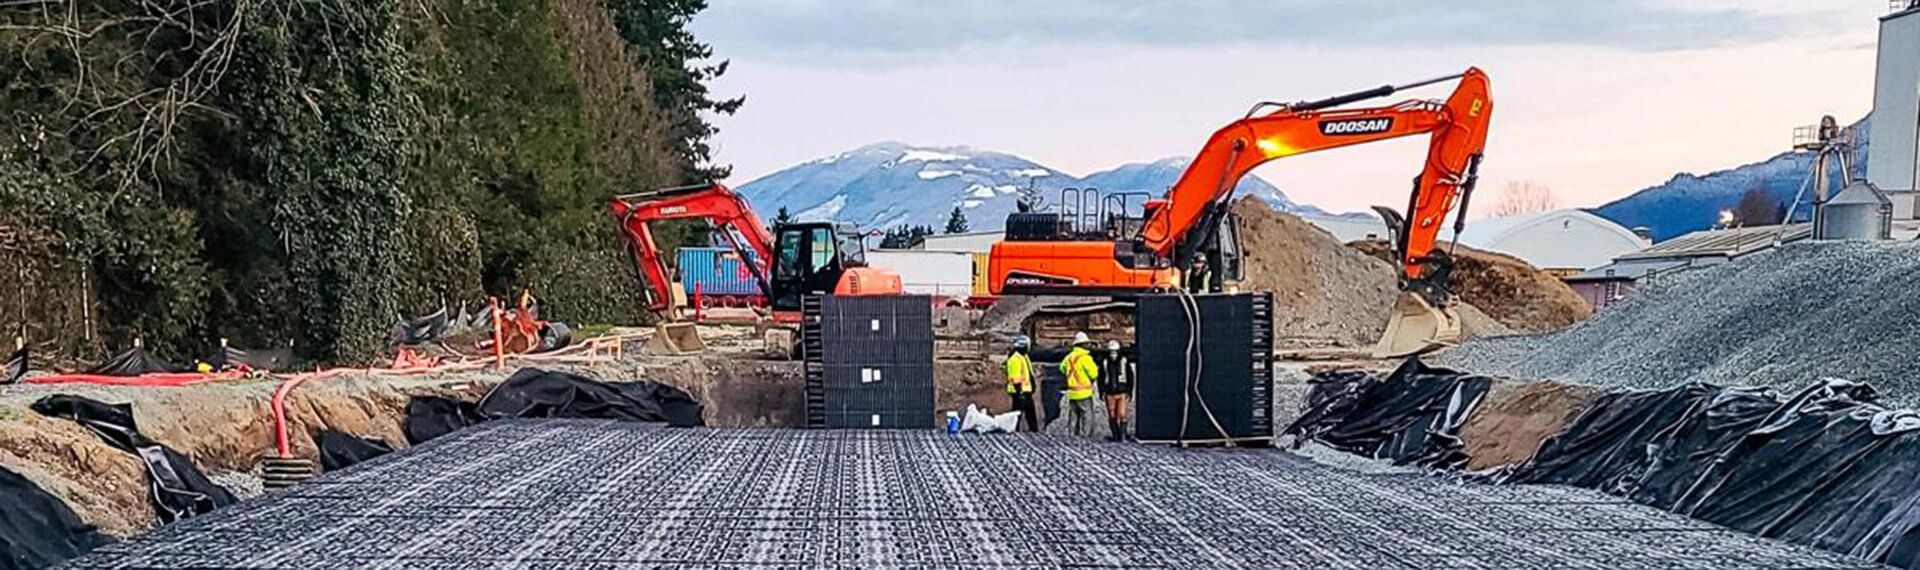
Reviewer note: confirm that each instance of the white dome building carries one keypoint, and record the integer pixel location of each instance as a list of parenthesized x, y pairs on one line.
[(1563, 241)]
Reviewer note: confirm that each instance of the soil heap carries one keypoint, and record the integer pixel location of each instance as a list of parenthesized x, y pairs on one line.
[(1509, 289), (1322, 289)]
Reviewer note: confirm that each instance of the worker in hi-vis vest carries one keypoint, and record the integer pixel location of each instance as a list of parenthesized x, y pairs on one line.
[(1081, 372), (1020, 385)]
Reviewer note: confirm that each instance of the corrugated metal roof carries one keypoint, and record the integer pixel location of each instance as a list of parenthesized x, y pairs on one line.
[(1727, 243), (1628, 269)]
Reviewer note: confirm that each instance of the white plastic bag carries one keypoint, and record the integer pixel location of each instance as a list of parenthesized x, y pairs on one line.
[(981, 422)]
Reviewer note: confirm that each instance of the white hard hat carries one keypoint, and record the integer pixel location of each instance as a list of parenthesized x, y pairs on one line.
[(1080, 338), (1113, 345), (1022, 341)]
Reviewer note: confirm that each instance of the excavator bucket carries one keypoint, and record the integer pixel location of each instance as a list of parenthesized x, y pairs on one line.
[(675, 338), (1416, 328)]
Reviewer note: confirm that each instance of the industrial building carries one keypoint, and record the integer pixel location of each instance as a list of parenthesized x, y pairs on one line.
[(1895, 161), (1610, 283), (970, 241), (1564, 242)]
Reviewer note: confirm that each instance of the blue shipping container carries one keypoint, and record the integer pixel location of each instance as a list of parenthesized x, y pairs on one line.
[(715, 271)]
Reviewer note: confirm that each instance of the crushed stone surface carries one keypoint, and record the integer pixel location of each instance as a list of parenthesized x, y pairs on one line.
[(589, 494), (1780, 318)]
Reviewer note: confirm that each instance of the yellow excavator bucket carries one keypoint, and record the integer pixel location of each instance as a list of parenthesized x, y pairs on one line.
[(675, 338), (1417, 327)]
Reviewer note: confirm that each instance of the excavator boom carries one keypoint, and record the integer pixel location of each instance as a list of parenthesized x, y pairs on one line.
[(726, 210), (1187, 222)]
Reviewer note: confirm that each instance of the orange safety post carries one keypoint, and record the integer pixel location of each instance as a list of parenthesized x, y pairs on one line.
[(499, 347)]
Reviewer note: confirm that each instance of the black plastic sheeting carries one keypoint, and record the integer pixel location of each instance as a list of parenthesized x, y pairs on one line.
[(179, 490), (419, 330), (1827, 468), (230, 358), (340, 450), (133, 362), (1411, 416), (536, 393), (554, 336), (36, 529), (429, 417), (16, 367)]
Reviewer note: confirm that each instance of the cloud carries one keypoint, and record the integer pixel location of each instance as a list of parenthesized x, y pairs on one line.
[(908, 27)]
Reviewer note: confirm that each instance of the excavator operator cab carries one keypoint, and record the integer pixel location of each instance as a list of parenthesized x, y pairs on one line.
[(811, 258)]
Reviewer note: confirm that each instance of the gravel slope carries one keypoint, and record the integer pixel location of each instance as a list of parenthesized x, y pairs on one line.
[(1779, 318)]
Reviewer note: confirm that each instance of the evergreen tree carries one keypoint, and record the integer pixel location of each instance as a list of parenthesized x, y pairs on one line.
[(782, 218), (678, 65), (957, 221)]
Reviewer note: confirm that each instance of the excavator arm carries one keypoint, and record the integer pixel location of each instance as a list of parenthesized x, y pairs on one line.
[(1186, 222), (1459, 133), (713, 202)]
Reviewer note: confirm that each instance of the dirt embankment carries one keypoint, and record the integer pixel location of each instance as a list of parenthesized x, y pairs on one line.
[(223, 427), (1507, 427), (227, 428), (1327, 291), (1506, 288), (1321, 288)]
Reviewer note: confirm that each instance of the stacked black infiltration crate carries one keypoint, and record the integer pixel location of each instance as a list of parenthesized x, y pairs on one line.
[(1233, 359), (869, 362)]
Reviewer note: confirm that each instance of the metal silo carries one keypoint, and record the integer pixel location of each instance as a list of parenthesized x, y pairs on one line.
[(1859, 211)]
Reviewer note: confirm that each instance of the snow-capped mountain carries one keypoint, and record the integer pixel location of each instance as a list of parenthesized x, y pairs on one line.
[(889, 184), (1690, 202)]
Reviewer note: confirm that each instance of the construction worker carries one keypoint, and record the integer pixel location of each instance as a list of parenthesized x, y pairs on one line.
[(1020, 382), (1116, 385), (1081, 372)]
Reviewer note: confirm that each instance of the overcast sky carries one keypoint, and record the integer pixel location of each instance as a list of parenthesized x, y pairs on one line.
[(1593, 99)]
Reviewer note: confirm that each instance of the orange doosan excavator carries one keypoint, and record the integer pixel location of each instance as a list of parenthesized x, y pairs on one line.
[(1189, 236), (812, 258)]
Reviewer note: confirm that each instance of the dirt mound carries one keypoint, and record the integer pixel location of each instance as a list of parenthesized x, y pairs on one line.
[(1509, 289), (1322, 288), (1508, 426)]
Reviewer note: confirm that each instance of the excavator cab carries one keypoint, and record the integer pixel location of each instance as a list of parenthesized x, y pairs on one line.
[(820, 258)]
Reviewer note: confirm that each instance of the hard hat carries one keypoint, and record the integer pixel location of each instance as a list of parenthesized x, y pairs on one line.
[(1113, 345), (1022, 341), (1080, 338)]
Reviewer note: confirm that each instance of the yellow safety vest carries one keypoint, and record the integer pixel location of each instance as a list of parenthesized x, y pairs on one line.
[(1080, 371), (1019, 374)]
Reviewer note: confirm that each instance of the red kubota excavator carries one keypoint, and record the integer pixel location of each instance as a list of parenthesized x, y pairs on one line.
[(812, 258), (1189, 232)]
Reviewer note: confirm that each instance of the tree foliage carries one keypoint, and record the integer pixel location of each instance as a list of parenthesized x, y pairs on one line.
[(1523, 197), (1755, 208), (303, 171), (904, 237), (956, 221)]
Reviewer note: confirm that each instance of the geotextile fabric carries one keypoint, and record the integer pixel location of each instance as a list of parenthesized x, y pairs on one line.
[(1411, 416), (36, 529), (537, 393), (1827, 468), (178, 488)]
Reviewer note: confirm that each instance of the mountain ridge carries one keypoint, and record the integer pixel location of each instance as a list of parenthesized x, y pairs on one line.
[(891, 183)]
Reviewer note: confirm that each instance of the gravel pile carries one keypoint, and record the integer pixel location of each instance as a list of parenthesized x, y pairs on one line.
[(1779, 318)]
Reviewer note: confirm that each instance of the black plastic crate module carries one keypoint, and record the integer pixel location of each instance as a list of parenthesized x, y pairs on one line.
[(869, 361), (1230, 367)]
